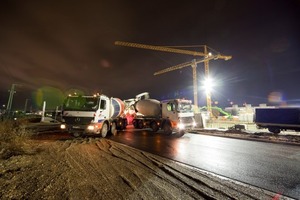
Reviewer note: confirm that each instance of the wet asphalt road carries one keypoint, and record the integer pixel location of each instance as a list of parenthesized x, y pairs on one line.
[(274, 167)]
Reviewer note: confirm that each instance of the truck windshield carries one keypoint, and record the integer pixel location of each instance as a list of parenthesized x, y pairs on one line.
[(184, 107), (81, 103)]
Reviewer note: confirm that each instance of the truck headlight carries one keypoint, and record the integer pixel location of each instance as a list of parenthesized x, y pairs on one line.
[(180, 125), (91, 127), (194, 124), (63, 126)]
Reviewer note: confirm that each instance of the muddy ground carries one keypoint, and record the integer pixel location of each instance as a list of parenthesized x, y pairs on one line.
[(58, 166)]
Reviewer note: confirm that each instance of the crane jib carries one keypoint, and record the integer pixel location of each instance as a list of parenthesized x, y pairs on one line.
[(207, 57)]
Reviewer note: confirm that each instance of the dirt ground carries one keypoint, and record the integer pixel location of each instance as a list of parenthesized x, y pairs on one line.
[(57, 166)]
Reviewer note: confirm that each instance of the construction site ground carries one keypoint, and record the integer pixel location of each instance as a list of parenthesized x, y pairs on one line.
[(54, 165), (251, 132)]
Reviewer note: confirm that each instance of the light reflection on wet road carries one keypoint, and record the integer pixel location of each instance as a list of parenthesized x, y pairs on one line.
[(275, 167)]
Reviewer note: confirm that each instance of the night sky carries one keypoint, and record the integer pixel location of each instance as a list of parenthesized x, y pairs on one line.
[(54, 47)]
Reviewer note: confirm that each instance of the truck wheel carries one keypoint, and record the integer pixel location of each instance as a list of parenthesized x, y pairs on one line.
[(113, 129), (124, 124), (140, 124), (180, 133), (154, 126), (135, 124), (167, 129), (274, 130), (104, 130)]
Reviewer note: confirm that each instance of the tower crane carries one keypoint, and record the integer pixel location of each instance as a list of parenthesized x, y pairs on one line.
[(207, 57)]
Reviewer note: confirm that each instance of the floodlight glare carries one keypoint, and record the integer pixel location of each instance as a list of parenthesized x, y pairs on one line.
[(208, 85)]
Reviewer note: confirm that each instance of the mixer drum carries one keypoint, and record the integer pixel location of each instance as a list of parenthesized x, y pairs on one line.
[(148, 107), (118, 107)]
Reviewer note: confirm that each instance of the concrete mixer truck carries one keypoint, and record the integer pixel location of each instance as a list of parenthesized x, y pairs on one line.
[(174, 115), (97, 114)]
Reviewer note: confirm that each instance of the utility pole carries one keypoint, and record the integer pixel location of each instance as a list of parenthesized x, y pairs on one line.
[(10, 99), (25, 107)]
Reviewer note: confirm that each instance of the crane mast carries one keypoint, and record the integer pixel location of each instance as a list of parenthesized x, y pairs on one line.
[(207, 57), (208, 93)]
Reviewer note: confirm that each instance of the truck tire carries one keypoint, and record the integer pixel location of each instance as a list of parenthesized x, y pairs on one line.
[(274, 130), (154, 126), (113, 129), (135, 124), (104, 130), (167, 128), (124, 124), (140, 124), (180, 133)]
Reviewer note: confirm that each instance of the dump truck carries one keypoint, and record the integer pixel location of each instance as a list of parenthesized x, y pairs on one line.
[(94, 114), (278, 119), (170, 116)]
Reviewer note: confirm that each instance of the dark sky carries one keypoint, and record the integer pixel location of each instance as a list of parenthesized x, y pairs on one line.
[(56, 46)]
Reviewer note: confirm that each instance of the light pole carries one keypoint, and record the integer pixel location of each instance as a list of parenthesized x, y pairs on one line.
[(25, 106), (10, 98)]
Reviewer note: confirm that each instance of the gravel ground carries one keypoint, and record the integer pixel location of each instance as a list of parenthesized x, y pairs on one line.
[(57, 166)]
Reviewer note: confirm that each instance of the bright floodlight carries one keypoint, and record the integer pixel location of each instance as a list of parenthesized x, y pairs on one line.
[(208, 84)]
